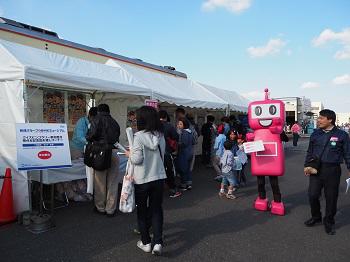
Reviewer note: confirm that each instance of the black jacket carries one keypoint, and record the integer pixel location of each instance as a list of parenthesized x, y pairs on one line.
[(207, 133), (336, 143), (169, 132), (103, 129)]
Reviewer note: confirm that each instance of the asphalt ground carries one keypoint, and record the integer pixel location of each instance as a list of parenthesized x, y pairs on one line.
[(199, 226)]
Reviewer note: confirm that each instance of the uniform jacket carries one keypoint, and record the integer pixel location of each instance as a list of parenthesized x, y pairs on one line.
[(337, 148)]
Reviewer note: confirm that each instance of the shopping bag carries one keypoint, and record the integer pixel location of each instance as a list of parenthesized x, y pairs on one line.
[(90, 180), (127, 197)]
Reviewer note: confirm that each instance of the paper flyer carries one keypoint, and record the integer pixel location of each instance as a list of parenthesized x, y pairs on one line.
[(251, 147), (347, 185)]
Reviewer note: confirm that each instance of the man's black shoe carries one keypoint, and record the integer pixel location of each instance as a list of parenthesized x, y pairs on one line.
[(329, 228), (312, 221)]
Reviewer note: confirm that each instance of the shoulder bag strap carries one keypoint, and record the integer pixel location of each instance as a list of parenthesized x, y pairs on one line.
[(160, 153), (324, 147)]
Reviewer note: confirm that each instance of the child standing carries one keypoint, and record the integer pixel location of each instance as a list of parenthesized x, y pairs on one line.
[(227, 169), (219, 150), (185, 153)]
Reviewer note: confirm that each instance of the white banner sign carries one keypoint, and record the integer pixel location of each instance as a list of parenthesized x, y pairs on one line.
[(251, 147), (42, 146)]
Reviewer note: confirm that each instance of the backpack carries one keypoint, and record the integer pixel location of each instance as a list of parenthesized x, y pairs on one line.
[(172, 143), (194, 135), (221, 128), (284, 137)]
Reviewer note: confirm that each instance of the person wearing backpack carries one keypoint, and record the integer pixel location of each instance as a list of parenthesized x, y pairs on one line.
[(171, 141), (104, 132)]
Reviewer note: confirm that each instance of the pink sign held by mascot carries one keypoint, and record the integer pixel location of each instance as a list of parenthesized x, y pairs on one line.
[(267, 118)]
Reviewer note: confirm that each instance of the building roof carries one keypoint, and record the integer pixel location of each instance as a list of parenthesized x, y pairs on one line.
[(49, 36)]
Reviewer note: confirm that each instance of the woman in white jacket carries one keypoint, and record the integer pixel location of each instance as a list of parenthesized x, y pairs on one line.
[(147, 154)]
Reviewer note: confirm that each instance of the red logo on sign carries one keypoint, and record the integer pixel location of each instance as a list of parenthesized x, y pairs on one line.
[(44, 155)]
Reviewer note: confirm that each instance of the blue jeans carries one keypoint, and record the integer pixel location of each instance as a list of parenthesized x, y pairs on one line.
[(229, 179)]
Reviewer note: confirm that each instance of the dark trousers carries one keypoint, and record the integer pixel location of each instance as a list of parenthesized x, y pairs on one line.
[(295, 139), (242, 177), (149, 199), (170, 172), (184, 170), (328, 179), (274, 186), (206, 154)]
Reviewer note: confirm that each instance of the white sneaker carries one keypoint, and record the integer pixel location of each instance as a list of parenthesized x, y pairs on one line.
[(157, 250), (146, 248)]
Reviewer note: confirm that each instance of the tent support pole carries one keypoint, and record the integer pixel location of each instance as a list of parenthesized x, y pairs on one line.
[(93, 99), (26, 120), (25, 100), (228, 110)]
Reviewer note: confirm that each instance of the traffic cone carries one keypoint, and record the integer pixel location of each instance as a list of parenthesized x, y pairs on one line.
[(7, 213)]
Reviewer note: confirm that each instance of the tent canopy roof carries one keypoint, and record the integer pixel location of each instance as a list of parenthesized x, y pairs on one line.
[(235, 101), (23, 62)]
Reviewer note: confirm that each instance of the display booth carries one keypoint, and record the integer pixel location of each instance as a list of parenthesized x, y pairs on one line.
[(39, 86)]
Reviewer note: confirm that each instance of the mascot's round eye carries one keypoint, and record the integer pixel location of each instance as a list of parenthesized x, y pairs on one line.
[(273, 110), (258, 110)]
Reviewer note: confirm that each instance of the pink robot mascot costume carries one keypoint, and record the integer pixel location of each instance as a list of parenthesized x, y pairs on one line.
[(267, 119)]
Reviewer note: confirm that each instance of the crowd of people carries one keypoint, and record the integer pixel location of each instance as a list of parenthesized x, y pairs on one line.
[(163, 151)]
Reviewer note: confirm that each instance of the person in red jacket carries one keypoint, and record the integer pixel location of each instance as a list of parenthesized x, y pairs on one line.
[(296, 129)]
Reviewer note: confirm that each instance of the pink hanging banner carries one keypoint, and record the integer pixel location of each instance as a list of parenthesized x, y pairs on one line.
[(152, 103)]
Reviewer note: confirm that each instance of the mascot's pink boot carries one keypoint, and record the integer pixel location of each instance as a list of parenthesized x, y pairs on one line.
[(277, 208), (261, 204)]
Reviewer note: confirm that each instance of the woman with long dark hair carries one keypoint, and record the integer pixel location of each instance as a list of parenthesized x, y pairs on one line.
[(232, 137), (147, 155)]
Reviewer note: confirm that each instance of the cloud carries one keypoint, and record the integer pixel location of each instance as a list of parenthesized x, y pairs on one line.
[(343, 54), (254, 95), (273, 46), (234, 6), (310, 85), (342, 80), (342, 38)]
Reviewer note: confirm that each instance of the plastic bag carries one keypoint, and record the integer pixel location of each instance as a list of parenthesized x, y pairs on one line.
[(90, 180), (127, 196)]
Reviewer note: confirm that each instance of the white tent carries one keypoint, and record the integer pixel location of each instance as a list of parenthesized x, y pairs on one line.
[(172, 89), (21, 65), (235, 101)]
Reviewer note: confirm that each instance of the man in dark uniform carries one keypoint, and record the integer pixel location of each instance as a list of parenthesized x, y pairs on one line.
[(330, 145)]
